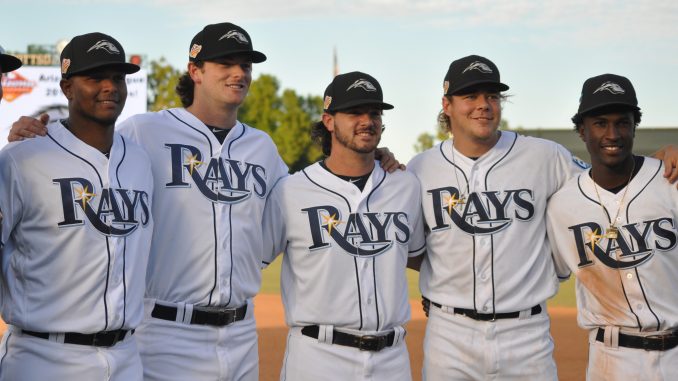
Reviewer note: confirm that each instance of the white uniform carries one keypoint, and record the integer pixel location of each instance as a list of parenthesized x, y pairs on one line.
[(344, 269), (76, 231), (627, 284), (207, 246), (489, 254)]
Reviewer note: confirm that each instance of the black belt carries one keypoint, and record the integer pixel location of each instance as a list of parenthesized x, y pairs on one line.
[(649, 343), (99, 339), (364, 343), (473, 314), (216, 316)]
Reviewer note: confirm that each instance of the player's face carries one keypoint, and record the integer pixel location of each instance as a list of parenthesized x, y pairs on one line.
[(609, 138), (474, 116), (358, 129), (97, 95), (224, 81)]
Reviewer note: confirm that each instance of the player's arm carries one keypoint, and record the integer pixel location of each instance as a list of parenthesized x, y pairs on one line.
[(563, 272), (28, 127), (414, 263), (11, 197), (388, 161), (274, 231), (669, 155)]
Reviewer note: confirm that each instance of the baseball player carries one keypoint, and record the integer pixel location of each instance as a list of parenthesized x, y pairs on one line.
[(615, 227), (347, 229), (76, 231), (7, 63)]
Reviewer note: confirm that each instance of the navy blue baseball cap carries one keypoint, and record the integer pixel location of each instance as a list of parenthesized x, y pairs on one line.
[(8, 62), (353, 89), (91, 51), (469, 72), (222, 40)]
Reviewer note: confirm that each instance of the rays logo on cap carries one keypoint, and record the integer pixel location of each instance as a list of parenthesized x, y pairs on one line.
[(446, 86), (195, 49), (363, 84), (610, 87), (234, 34), (327, 102), (479, 66), (65, 64), (106, 46)]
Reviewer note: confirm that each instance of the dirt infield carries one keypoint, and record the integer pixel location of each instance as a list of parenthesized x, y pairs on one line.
[(570, 341)]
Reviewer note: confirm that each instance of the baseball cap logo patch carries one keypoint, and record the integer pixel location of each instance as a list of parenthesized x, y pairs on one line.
[(327, 102), (610, 87), (195, 49), (106, 46), (446, 86), (479, 66), (234, 34), (363, 84), (65, 64)]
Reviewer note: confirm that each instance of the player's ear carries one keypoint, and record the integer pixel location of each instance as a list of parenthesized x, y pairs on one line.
[(446, 103), (66, 88), (580, 131), (328, 121), (194, 71)]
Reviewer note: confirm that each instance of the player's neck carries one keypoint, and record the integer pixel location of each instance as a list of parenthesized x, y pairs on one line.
[(610, 177), (473, 147), (90, 132), (350, 163), (214, 116)]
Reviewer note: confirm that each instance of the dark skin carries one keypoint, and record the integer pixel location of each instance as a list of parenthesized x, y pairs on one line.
[(95, 101), (609, 140)]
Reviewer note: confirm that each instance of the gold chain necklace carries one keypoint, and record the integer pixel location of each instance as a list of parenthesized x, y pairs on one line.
[(613, 231)]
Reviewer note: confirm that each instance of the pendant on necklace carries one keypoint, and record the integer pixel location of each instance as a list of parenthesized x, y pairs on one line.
[(612, 232)]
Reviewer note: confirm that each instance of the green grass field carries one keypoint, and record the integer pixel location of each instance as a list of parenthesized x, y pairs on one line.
[(270, 284)]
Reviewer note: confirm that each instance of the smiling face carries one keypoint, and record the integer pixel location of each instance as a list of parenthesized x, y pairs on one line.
[(474, 116), (357, 129), (223, 81), (609, 138), (98, 95)]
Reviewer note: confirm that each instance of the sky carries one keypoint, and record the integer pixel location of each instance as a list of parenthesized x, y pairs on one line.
[(544, 50)]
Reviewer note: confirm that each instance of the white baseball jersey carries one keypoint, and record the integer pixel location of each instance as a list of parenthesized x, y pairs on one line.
[(490, 252), (210, 197), (631, 281), (345, 250), (76, 230)]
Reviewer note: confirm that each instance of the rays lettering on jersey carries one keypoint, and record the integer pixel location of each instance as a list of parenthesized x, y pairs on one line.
[(364, 234), (220, 180), (634, 245), (118, 213), (484, 212)]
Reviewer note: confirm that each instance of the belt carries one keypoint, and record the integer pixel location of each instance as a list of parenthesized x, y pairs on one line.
[(99, 339), (364, 343), (649, 343), (216, 316), (473, 314)]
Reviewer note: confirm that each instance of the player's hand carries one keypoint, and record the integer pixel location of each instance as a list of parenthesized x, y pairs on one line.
[(669, 155), (388, 160), (426, 304), (27, 127)]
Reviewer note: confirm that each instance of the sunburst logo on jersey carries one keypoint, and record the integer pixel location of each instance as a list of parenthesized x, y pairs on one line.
[(193, 163), (195, 49), (452, 201), (331, 222), (83, 195), (594, 237)]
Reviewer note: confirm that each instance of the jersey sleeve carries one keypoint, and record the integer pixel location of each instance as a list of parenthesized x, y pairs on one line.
[(566, 165), (552, 232), (274, 229), (129, 129), (418, 240), (11, 197)]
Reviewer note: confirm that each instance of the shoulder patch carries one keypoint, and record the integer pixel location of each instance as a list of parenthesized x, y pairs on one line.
[(580, 163)]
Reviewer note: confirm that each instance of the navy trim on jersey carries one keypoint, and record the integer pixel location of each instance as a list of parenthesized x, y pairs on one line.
[(455, 165), (230, 223), (374, 263), (124, 247), (487, 175), (581, 190), (418, 249), (108, 249), (287, 353), (355, 262), (640, 283)]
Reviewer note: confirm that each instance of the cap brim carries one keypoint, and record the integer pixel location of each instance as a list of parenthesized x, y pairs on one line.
[(601, 105), (362, 102), (255, 56), (499, 86), (125, 67), (9, 63)]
